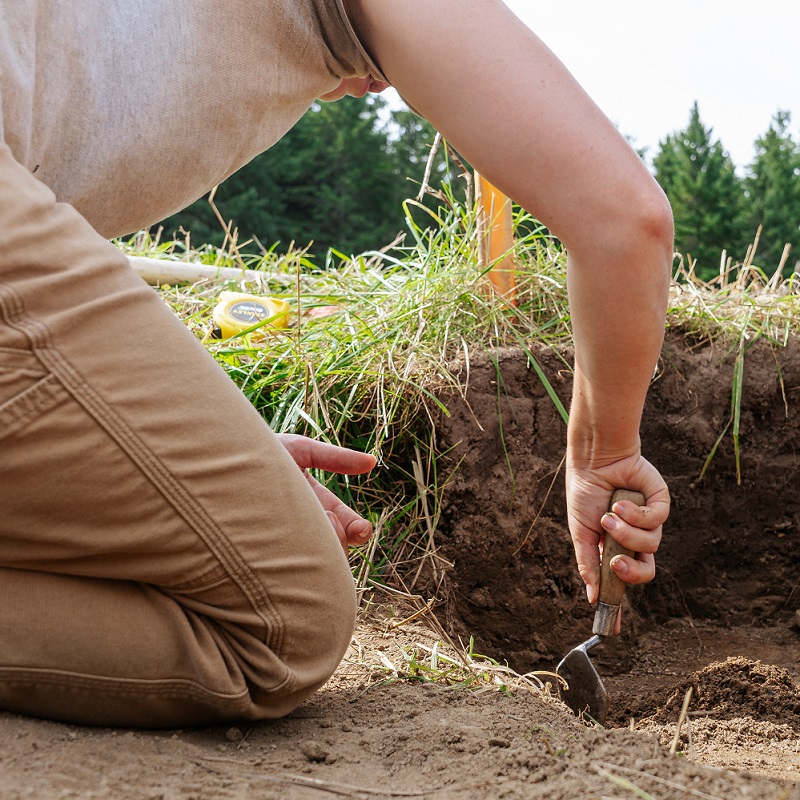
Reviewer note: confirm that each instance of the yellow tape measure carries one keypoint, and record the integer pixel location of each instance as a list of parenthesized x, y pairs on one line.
[(236, 312)]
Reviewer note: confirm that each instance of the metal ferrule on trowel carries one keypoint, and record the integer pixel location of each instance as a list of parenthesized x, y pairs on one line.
[(584, 692)]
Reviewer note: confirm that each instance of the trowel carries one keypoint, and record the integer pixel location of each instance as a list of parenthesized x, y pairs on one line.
[(584, 692)]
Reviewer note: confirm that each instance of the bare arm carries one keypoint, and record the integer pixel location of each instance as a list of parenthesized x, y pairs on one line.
[(522, 120)]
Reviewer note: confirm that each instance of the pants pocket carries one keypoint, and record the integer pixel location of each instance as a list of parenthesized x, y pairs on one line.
[(27, 390)]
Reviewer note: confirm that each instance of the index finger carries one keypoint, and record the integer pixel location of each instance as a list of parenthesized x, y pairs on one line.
[(647, 517), (312, 454)]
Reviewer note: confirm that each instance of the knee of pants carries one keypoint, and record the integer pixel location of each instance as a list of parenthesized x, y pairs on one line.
[(317, 633), (280, 664), (298, 619)]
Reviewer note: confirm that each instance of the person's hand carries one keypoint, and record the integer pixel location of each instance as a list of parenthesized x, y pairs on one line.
[(350, 527), (589, 493)]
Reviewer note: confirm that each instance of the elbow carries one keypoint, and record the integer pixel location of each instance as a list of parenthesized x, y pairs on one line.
[(624, 227), (640, 240), (656, 229)]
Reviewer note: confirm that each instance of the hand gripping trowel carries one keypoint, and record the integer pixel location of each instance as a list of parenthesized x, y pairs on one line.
[(585, 693)]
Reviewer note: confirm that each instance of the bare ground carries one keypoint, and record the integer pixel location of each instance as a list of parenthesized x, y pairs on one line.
[(720, 617), (375, 733)]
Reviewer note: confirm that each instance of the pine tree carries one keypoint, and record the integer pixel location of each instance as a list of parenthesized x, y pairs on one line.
[(773, 193), (700, 180)]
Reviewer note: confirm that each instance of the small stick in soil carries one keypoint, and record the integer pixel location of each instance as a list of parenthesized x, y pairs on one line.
[(661, 781), (541, 507), (348, 789), (681, 719), (418, 613), (241, 741)]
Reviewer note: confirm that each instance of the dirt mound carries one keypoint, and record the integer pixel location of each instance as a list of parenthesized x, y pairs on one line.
[(737, 688), (743, 714)]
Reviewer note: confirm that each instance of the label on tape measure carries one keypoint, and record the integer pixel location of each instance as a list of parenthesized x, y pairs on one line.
[(247, 311)]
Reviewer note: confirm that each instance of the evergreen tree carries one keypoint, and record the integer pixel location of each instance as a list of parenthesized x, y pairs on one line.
[(773, 192), (699, 178), (338, 178)]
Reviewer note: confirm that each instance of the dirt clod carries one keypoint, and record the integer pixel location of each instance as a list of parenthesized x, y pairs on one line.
[(736, 688), (234, 735), (313, 751)]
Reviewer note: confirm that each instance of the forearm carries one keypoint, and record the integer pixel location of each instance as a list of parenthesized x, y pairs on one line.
[(618, 305), (618, 301)]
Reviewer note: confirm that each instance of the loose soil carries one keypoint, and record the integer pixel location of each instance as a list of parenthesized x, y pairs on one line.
[(719, 618)]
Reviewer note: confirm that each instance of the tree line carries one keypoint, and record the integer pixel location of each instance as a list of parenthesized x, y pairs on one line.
[(338, 179), (715, 209)]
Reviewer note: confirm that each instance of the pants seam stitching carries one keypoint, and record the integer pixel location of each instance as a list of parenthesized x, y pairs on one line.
[(174, 687), (35, 400)]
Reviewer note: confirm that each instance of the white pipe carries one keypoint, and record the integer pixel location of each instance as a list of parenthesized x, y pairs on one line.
[(158, 271)]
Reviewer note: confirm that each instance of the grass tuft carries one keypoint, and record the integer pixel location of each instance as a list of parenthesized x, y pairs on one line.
[(406, 321)]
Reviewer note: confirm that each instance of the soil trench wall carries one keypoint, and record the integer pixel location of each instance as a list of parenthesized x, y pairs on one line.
[(730, 552)]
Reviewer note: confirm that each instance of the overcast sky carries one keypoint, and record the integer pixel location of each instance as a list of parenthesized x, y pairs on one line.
[(645, 63)]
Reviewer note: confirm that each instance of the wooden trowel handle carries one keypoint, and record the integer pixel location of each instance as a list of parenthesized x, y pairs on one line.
[(611, 587)]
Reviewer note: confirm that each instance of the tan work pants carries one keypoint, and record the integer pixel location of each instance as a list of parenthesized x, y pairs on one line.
[(163, 562)]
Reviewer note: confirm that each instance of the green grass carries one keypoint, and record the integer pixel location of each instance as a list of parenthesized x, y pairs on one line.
[(743, 305), (407, 328), (369, 376)]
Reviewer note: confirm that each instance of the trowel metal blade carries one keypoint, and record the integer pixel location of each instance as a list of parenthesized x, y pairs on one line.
[(586, 693)]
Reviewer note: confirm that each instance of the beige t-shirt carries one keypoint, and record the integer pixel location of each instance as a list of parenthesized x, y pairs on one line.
[(132, 109)]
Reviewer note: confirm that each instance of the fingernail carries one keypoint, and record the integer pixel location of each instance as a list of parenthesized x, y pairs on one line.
[(609, 522), (619, 566)]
